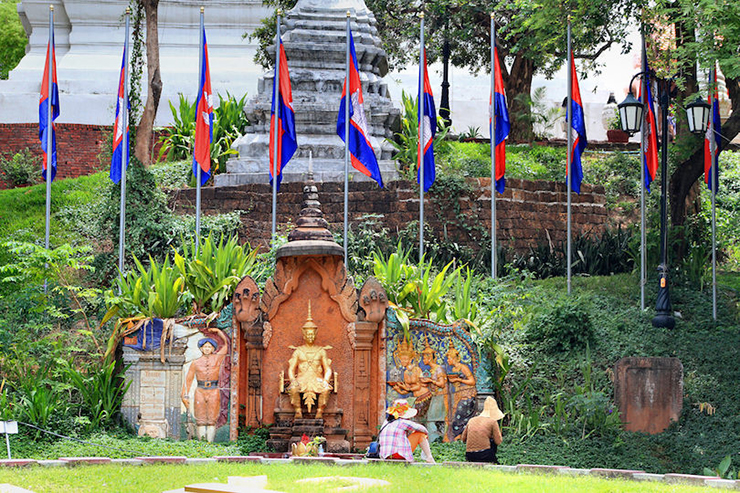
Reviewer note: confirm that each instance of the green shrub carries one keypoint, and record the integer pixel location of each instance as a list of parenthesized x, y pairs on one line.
[(253, 440), (406, 141), (229, 123), (24, 168), (563, 326)]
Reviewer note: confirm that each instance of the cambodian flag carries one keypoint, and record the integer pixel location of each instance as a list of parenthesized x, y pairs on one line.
[(428, 127), (49, 97), (578, 123), (502, 124), (713, 138), (283, 100), (650, 143), (203, 120), (361, 151), (120, 128)]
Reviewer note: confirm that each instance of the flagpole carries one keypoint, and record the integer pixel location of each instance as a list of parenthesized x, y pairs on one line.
[(643, 260), (276, 136), (124, 149), (715, 179), (347, 99), (49, 126), (421, 137), (198, 168), (493, 149), (568, 159)]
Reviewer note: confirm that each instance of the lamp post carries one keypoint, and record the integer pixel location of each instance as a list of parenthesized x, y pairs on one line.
[(631, 111)]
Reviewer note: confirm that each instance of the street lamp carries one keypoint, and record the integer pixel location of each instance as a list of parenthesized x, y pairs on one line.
[(698, 115), (631, 111)]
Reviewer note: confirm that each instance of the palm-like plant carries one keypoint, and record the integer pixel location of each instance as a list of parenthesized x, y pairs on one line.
[(212, 271)]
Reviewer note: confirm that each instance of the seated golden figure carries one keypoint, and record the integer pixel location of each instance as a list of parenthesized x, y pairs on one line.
[(309, 371)]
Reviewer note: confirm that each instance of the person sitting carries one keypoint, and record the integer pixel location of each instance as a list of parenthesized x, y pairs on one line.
[(399, 436), (482, 435)]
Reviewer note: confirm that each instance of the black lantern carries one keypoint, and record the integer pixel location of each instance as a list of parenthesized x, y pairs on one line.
[(698, 116), (630, 113)]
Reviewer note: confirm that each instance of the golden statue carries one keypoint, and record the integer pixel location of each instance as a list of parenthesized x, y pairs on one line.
[(309, 371)]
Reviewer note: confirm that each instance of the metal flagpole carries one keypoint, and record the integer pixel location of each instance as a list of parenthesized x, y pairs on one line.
[(421, 137), (643, 144), (713, 176), (198, 170), (347, 102), (493, 149), (276, 104), (124, 148), (49, 126), (568, 159)]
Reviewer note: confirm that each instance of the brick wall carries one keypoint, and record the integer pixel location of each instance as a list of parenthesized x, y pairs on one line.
[(528, 212), (78, 146)]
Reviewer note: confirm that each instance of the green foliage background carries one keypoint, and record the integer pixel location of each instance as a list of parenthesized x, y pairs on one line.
[(12, 38)]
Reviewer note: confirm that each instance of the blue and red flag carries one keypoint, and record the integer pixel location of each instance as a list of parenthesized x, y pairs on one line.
[(49, 96), (428, 128), (203, 119), (578, 123), (282, 99), (361, 151), (713, 138), (502, 124), (120, 128), (650, 142)]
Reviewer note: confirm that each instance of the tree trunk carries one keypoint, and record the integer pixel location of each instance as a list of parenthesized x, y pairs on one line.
[(154, 84), (519, 82), (686, 174)]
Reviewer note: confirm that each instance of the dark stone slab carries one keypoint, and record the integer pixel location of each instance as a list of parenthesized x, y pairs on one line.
[(649, 392), (539, 469), (615, 473), (163, 460)]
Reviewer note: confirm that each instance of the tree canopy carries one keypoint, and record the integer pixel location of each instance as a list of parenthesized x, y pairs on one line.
[(12, 38)]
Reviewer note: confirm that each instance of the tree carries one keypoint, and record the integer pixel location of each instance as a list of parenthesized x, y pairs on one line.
[(531, 38), (12, 38), (154, 84), (705, 31)]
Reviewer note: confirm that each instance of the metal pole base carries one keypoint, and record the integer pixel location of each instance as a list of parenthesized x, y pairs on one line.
[(663, 310)]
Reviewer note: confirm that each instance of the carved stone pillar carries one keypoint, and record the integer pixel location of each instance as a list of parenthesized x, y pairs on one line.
[(365, 415)]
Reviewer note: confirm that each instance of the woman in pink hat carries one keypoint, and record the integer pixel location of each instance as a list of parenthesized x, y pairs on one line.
[(399, 436)]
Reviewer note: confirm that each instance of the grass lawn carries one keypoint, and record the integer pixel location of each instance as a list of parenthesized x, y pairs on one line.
[(403, 479)]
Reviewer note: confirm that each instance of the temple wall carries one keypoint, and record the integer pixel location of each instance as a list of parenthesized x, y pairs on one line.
[(527, 212)]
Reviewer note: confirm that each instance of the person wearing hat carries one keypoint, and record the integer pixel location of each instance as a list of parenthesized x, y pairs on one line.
[(482, 435), (205, 370), (399, 436)]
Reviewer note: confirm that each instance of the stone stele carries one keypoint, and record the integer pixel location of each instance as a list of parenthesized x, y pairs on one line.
[(649, 392), (314, 37)]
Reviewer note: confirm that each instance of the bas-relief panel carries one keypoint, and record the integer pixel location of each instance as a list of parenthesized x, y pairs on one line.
[(204, 395), (435, 370)]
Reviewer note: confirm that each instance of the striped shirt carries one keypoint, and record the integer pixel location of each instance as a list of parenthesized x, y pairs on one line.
[(393, 438)]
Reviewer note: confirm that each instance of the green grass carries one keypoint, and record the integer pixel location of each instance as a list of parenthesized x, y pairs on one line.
[(23, 210), (116, 446), (157, 478)]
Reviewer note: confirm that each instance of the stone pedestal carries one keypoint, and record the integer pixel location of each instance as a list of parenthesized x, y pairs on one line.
[(152, 403), (648, 392)]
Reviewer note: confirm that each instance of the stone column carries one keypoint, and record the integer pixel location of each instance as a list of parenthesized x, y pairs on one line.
[(365, 413), (152, 403)]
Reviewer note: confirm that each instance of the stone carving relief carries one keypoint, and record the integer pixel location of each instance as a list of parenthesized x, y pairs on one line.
[(247, 301), (373, 300), (334, 281)]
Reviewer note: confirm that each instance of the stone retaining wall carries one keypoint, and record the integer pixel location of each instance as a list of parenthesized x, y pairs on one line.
[(527, 213)]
